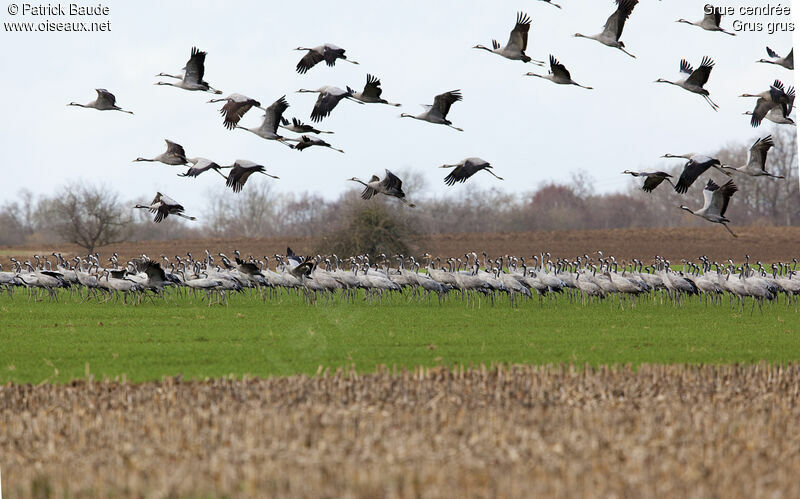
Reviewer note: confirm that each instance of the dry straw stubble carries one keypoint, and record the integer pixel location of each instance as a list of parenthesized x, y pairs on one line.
[(508, 431)]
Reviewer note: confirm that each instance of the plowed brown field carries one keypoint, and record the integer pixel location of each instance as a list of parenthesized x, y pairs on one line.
[(768, 244), (662, 431)]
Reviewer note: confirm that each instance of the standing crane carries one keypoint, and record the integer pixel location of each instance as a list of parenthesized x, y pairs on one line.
[(192, 78), (614, 25), (105, 101), (241, 171), (757, 160), (163, 206), (710, 21), (467, 168), (437, 113), (371, 93), (327, 52), (235, 107), (558, 74), (174, 155), (696, 79), (329, 96), (716, 202), (786, 62), (391, 185), (517, 42)]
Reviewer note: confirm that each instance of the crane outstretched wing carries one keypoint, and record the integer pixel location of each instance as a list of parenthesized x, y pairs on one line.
[(518, 39)]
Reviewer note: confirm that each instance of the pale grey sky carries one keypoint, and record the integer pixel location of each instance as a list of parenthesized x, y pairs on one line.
[(530, 130)]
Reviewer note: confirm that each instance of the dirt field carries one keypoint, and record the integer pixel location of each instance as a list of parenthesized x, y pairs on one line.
[(768, 244), (519, 432)]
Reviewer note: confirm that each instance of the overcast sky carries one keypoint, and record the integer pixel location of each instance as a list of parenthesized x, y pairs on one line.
[(530, 129)]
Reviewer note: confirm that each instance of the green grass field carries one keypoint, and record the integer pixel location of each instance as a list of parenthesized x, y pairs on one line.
[(44, 341)]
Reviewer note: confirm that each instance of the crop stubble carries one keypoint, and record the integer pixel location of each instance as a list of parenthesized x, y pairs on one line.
[(506, 431)]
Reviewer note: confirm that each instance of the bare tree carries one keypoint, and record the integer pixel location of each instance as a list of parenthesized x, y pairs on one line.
[(86, 215), (250, 213), (372, 227), (302, 214), (16, 219)]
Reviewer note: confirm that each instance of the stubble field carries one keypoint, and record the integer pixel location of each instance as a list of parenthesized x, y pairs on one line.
[(519, 432)]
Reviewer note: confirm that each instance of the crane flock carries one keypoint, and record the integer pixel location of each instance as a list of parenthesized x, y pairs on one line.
[(580, 279), (775, 105)]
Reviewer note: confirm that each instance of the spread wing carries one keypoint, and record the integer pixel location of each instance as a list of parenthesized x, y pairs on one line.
[(302, 143), (248, 268), (161, 213), (616, 21), (326, 102), (237, 178), (686, 67), (763, 106), (392, 184), (373, 87), (195, 68), (518, 39), (233, 111), (105, 97), (273, 115), (154, 272), (442, 102), (772, 53), (368, 192), (331, 54), (700, 76), (712, 15), (787, 102), (175, 149), (171, 203), (721, 196), (200, 167), (457, 175), (311, 59), (708, 194), (758, 152), (303, 127), (156, 200), (304, 269), (463, 172), (654, 180), (558, 69), (691, 171)]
